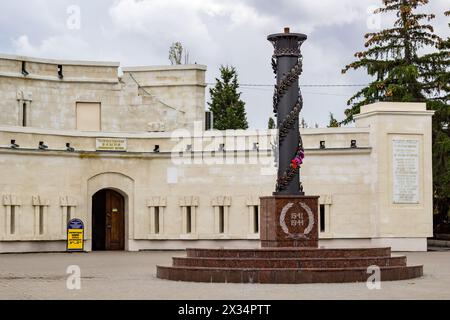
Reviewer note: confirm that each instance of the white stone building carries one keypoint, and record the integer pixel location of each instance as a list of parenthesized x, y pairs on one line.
[(143, 174)]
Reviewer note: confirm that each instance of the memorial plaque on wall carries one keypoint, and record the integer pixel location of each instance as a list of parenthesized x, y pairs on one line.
[(405, 164), (111, 144)]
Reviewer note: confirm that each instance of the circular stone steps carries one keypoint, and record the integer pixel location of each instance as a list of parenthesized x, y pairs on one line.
[(289, 253), (290, 263), (287, 265), (226, 275)]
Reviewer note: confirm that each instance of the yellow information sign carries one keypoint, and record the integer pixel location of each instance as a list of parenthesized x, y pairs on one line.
[(75, 235)]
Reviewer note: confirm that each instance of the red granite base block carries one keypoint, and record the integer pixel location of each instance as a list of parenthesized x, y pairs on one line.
[(289, 221), (287, 265), (283, 263), (233, 276), (163, 272), (289, 244), (267, 276), (289, 253), (284, 276)]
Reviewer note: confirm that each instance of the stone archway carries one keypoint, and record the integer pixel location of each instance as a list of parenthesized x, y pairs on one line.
[(121, 188), (108, 221)]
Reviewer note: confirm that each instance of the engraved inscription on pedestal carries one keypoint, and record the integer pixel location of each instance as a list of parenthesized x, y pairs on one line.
[(289, 221), (405, 165), (297, 220)]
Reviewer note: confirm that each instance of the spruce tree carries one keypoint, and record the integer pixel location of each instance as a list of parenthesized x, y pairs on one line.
[(303, 124), (436, 74), (226, 105), (392, 57), (333, 122), (403, 74), (271, 124)]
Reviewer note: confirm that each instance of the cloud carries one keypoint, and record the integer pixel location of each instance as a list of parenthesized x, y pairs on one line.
[(195, 23), (137, 15), (55, 47), (306, 16), (140, 32)]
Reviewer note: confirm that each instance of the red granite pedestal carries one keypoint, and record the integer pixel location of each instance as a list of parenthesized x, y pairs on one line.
[(289, 253), (289, 221)]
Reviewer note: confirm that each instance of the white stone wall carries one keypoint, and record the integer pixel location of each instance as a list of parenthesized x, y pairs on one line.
[(354, 183), (145, 106), (170, 95)]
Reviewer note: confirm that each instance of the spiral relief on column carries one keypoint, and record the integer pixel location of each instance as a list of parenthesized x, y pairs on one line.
[(288, 124), (286, 83)]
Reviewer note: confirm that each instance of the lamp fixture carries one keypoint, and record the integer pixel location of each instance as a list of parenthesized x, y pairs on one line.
[(60, 72), (24, 69), (42, 146), (69, 148), (14, 145)]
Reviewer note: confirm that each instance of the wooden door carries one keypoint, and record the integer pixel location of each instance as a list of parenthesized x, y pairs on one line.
[(115, 221)]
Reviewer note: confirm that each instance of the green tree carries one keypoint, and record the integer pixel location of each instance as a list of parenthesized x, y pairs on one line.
[(333, 122), (392, 57), (403, 74), (303, 124), (271, 124), (226, 105), (437, 87)]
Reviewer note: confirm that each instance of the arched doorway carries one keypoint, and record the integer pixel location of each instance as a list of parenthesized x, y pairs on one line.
[(108, 220)]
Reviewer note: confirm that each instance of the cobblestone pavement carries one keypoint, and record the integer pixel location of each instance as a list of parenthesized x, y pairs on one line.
[(111, 275)]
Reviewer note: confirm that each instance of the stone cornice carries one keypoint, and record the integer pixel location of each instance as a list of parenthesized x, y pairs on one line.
[(58, 61), (56, 79)]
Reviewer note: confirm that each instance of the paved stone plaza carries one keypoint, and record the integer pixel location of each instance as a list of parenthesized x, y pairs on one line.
[(109, 275)]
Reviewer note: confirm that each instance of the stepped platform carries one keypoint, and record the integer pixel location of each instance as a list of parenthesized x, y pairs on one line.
[(287, 265)]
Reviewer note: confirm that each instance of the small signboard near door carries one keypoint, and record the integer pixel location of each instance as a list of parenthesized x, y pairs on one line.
[(75, 235)]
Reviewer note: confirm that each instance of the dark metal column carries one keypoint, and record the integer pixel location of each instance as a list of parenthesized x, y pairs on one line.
[(287, 103)]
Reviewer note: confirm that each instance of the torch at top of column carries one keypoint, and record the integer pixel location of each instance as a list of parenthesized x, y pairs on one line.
[(287, 33)]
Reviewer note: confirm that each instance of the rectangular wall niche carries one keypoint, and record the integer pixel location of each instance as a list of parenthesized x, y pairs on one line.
[(156, 220), (221, 219), (40, 215), (88, 116), (189, 207), (156, 206), (24, 100), (322, 218), (253, 203), (10, 221), (326, 202), (256, 219), (24, 114), (188, 220), (68, 212), (221, 205)]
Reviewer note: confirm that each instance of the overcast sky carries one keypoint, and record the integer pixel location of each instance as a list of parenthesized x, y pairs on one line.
[(139, 32)]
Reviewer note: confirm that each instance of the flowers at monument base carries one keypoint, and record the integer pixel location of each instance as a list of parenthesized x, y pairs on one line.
[(293, 169), (298, 160)]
